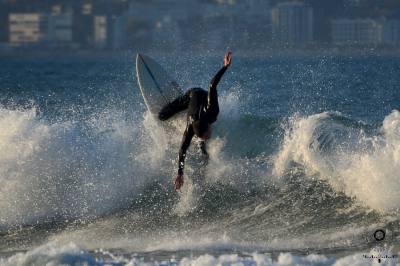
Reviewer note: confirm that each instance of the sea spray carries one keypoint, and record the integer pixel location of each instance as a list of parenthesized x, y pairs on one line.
[(362, 164), (65, 170)]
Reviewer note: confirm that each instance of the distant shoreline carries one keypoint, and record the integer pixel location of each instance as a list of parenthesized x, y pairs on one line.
[(112, 54)]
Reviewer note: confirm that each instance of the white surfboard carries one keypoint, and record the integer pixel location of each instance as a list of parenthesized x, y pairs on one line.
[(157, 87)]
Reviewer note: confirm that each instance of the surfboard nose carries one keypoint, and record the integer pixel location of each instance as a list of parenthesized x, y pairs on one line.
[(139, 57)]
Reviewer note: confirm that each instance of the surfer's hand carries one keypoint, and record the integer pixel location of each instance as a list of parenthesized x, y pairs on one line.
[(227, 59), (178, 183)]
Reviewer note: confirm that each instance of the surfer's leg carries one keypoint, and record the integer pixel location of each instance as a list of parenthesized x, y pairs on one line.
[(179, 104)]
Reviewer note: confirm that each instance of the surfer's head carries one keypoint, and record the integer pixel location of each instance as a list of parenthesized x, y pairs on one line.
[(202, 129)]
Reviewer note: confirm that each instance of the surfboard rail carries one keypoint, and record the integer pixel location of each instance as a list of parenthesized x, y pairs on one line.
[(155, 84)]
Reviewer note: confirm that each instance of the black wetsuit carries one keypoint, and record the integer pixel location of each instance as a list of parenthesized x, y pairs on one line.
[(201, 105)]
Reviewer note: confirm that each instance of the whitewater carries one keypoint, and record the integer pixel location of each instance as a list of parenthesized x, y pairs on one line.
[(304, 165)]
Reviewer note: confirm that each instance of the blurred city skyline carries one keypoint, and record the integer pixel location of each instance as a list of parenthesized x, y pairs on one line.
[(180, 25)]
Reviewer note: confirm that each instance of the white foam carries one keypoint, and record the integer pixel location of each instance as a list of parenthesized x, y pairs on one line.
[(372, 176), (296, 145), (66, 170), (77, 169), (188, 198), (53, 253), (366, 169)]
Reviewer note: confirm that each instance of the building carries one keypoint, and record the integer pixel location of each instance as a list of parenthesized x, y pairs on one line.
[(100, 31), (37, 29), (391, 32), (251, 27), (205, 25), (153, 24), (27, 29), (83, 25), (119, 36), (361, 32), (99, 24), (292, 24), (59, 30)]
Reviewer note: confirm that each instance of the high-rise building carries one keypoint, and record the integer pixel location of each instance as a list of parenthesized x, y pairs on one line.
[(27, 28), (40, 29), (292, 24), (356, 32)]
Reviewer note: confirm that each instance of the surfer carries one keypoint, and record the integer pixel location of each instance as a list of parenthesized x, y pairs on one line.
[(203, 110)]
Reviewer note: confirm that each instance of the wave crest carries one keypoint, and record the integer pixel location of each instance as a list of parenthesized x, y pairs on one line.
[(354, 159)]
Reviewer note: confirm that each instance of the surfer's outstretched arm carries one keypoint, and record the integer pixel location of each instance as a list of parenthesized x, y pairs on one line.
[(179, 104), (187, 138), (212, 99)]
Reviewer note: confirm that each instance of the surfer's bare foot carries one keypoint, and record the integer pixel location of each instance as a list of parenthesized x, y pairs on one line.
[(178, 183), (228, 59)]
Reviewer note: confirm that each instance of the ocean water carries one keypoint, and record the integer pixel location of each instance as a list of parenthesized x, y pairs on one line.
[(304, 164)]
